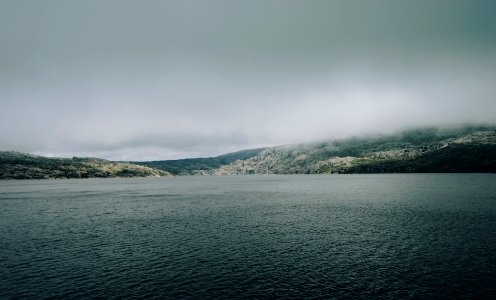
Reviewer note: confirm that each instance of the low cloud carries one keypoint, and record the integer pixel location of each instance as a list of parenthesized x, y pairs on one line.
[(173, 80)]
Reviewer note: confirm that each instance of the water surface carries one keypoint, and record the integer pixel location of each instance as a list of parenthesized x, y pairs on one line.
[(332, 236)]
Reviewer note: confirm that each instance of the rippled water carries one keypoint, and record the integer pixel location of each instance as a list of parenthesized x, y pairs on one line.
[(338, 236)]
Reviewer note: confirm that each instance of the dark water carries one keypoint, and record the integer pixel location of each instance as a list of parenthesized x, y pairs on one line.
[(359, 236)]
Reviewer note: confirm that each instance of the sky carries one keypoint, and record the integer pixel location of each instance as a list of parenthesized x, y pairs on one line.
[(149, 80)]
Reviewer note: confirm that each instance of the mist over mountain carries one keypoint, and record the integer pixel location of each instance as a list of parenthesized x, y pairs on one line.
[(423, 150), (461, 149)]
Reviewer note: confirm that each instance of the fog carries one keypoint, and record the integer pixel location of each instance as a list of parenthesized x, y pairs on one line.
[(144, 80)]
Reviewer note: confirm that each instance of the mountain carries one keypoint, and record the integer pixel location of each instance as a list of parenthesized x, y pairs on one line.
[(200, 166), (16, 165), (427, 150)]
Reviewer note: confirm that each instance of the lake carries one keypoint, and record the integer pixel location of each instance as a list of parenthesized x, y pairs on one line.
[(294, 236)]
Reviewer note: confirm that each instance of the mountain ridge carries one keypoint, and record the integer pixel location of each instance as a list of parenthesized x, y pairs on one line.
[(421, 150)]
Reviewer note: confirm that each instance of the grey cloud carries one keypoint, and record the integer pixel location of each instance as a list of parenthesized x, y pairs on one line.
[(163, 79)]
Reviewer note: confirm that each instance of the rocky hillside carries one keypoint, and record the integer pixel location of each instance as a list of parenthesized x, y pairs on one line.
[(200, 166), (15, 165), (468, 149)]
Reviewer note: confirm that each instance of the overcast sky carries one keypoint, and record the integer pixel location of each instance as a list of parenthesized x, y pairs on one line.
[(142, 80)]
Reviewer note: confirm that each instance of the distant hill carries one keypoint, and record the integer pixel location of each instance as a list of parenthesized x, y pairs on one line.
[(16, 165), (427, 150), (199, 166)]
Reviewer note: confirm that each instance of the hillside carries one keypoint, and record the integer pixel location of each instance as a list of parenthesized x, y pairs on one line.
[(468, 149), (427, 150), (198, 166), (16, 165)]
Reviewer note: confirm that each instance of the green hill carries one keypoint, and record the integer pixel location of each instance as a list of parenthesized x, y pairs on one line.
[(193, 166)]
